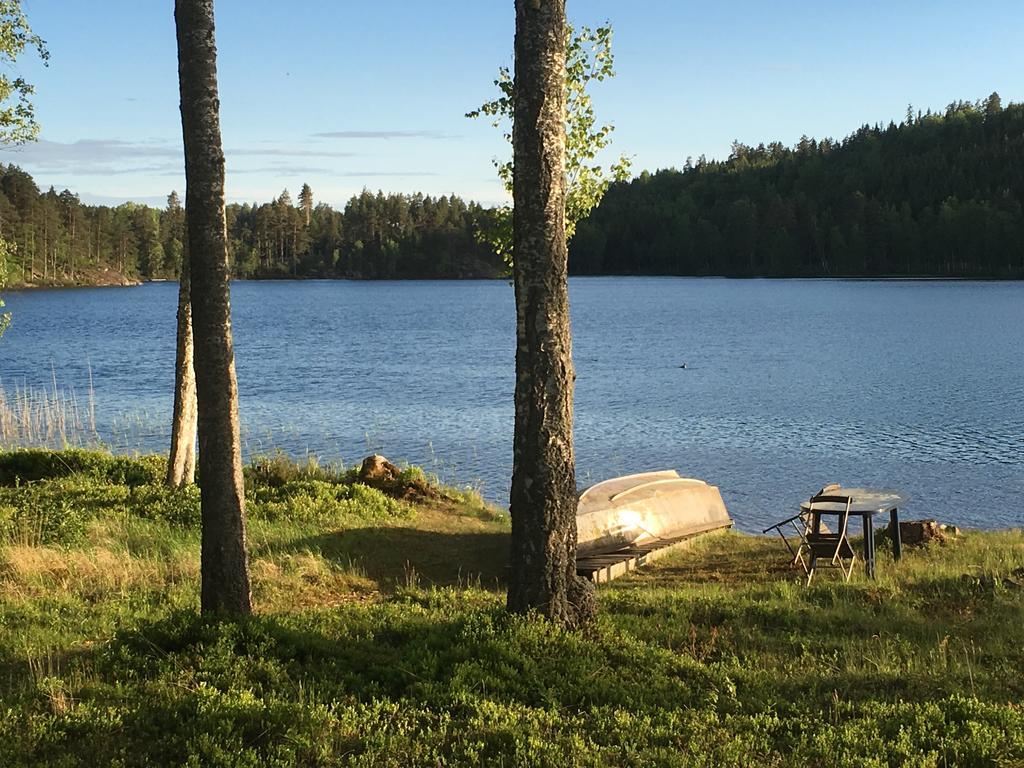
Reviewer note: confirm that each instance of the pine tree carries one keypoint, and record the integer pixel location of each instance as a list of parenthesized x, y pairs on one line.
[(306, 202)]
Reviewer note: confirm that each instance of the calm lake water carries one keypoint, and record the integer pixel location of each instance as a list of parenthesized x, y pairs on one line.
[(788, 385)]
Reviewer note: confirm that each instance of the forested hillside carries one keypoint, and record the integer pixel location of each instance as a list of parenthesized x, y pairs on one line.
[(937, 194), (60, 240)]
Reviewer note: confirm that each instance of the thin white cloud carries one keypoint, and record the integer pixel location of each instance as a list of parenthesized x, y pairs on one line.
[(278, 170), (441, 135), (360, 174), (109, 157), (283, 152), (294, 170), (155, 201), (87, 156)]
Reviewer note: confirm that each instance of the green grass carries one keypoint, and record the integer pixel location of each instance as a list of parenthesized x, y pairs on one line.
[(380, 639)]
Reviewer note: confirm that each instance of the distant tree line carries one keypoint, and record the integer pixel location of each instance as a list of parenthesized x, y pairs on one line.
[(58, 239), (379, 236), (937, 194)]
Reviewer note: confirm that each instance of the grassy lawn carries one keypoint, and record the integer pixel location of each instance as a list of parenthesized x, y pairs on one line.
[(380, 640)]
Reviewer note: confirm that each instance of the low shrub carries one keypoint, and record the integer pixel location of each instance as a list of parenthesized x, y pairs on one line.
[(56, 512), (279, 469), (319, 501), (177, 506), (34, 464), (35, 515), (438, 681), (48, 496)]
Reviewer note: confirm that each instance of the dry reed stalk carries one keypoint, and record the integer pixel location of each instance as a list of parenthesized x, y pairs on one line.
[(46, 418)]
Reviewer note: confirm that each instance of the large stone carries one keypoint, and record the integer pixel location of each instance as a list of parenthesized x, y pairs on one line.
[(377, 472), (917, 532)]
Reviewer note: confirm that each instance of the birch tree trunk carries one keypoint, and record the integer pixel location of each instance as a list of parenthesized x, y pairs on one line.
[(181, 464), (224, 561), (543, 498)]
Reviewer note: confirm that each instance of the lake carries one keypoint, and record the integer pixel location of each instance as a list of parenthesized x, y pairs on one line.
[(787, 385)]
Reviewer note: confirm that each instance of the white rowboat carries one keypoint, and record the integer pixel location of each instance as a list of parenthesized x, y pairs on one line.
[(643, 508)]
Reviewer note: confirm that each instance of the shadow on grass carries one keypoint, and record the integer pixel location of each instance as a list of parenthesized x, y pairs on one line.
[(19, 675), (283, 690), (412, 556), (737, 559), (731, 558)]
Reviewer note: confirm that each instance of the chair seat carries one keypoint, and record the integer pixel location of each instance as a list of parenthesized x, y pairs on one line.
[(824, 545), (830, 550)]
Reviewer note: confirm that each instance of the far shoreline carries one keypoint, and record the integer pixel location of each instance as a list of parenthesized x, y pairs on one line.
[(134, 283)]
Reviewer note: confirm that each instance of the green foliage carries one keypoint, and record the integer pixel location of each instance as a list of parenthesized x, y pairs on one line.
[(32, 464), (278, 469), (714, 656), (17, 120), (6, 249), (319, 501), (58, 511), (17, 117), (48, 497), (588, 59), (447, 678), (175, 506), (38, 515), (279, 488), (936, 195)]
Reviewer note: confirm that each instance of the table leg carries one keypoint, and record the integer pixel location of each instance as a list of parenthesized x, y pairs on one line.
[(897, 540), (869, 545)]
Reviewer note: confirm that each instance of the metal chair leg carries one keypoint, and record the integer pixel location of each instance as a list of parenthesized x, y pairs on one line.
[(847, 572), (801, 532)]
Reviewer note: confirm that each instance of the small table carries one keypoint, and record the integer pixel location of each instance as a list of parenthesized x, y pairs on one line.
[(867, 502)]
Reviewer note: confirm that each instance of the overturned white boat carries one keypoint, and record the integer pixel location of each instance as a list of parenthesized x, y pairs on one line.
[(644, 508)]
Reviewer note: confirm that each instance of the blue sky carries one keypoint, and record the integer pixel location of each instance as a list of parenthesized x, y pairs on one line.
[(345, 95)]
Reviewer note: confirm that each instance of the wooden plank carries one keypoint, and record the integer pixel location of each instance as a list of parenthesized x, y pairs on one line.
[(605, 567)]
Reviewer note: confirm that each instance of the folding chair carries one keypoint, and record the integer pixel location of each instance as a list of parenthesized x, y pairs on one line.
[(801, 525), (833, 548)]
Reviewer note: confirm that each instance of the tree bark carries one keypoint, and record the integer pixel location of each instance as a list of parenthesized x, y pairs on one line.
[(543, 498), (181, 464), (224, 561)]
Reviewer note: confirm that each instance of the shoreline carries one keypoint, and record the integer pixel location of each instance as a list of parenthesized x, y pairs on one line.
[(113, 281), (125, 282), (339, 467)]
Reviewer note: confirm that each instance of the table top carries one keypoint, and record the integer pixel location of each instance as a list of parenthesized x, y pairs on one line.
[(865, 501)]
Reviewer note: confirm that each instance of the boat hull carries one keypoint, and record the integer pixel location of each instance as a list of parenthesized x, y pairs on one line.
[(638, 509)]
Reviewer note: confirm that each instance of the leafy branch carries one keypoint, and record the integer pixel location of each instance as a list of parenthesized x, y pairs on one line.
[(588, 59), (17, 114)]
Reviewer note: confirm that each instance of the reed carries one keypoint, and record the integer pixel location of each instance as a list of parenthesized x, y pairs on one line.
[(47, 417)]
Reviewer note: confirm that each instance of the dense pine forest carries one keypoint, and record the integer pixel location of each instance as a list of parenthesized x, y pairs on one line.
[(59, 240), (936, 195)]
